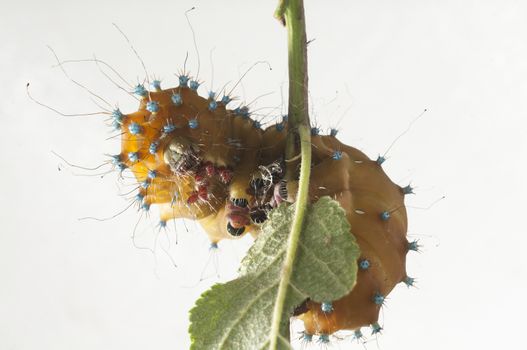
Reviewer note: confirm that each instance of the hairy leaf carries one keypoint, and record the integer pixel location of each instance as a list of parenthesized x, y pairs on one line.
[(238, 314)]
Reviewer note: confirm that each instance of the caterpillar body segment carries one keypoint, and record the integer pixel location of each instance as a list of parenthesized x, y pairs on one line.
[(365, 192)]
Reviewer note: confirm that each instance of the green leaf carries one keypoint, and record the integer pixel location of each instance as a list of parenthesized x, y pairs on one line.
[(238, 314)]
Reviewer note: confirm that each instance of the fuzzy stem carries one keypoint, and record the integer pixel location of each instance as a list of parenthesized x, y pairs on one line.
[(291, 12)]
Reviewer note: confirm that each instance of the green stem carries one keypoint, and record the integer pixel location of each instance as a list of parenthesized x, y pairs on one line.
[(291, 12)]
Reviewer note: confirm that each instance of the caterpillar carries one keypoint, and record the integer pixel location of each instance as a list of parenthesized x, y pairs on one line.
[(195, 158)]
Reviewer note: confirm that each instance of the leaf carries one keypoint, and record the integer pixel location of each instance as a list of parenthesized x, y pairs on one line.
[(238, 314)]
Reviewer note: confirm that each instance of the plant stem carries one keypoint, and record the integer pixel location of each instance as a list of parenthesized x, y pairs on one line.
[(291, 12)]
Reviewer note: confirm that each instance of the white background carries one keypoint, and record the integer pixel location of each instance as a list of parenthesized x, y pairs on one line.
[(374, 66)]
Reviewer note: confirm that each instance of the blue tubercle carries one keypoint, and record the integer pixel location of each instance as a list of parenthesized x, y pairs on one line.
[(134, 128), (121, 166), (162, 224), (385, 215), (117, 115), (306, 337), (357, 334), (408, 190), (409, 281), (133, 156), (116, 159), (213, 105), (337, 155), (145, 207), (177, 100), (326, 307), (323, 339), (152, 174), (116, 125), (139, 197), (364, 264), (193, 123), (212, 95), (244, 112), (153, 147), (315, 131), (156, 85), (140, 90), (375, 328), (152, 106), (183, 80), (380, 160), (225, 100), (168, 128), (378, 298), (117, 162), (194, 85), (414, 245), (333, 132), (280, 126), (213, 245), (257, 124)]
